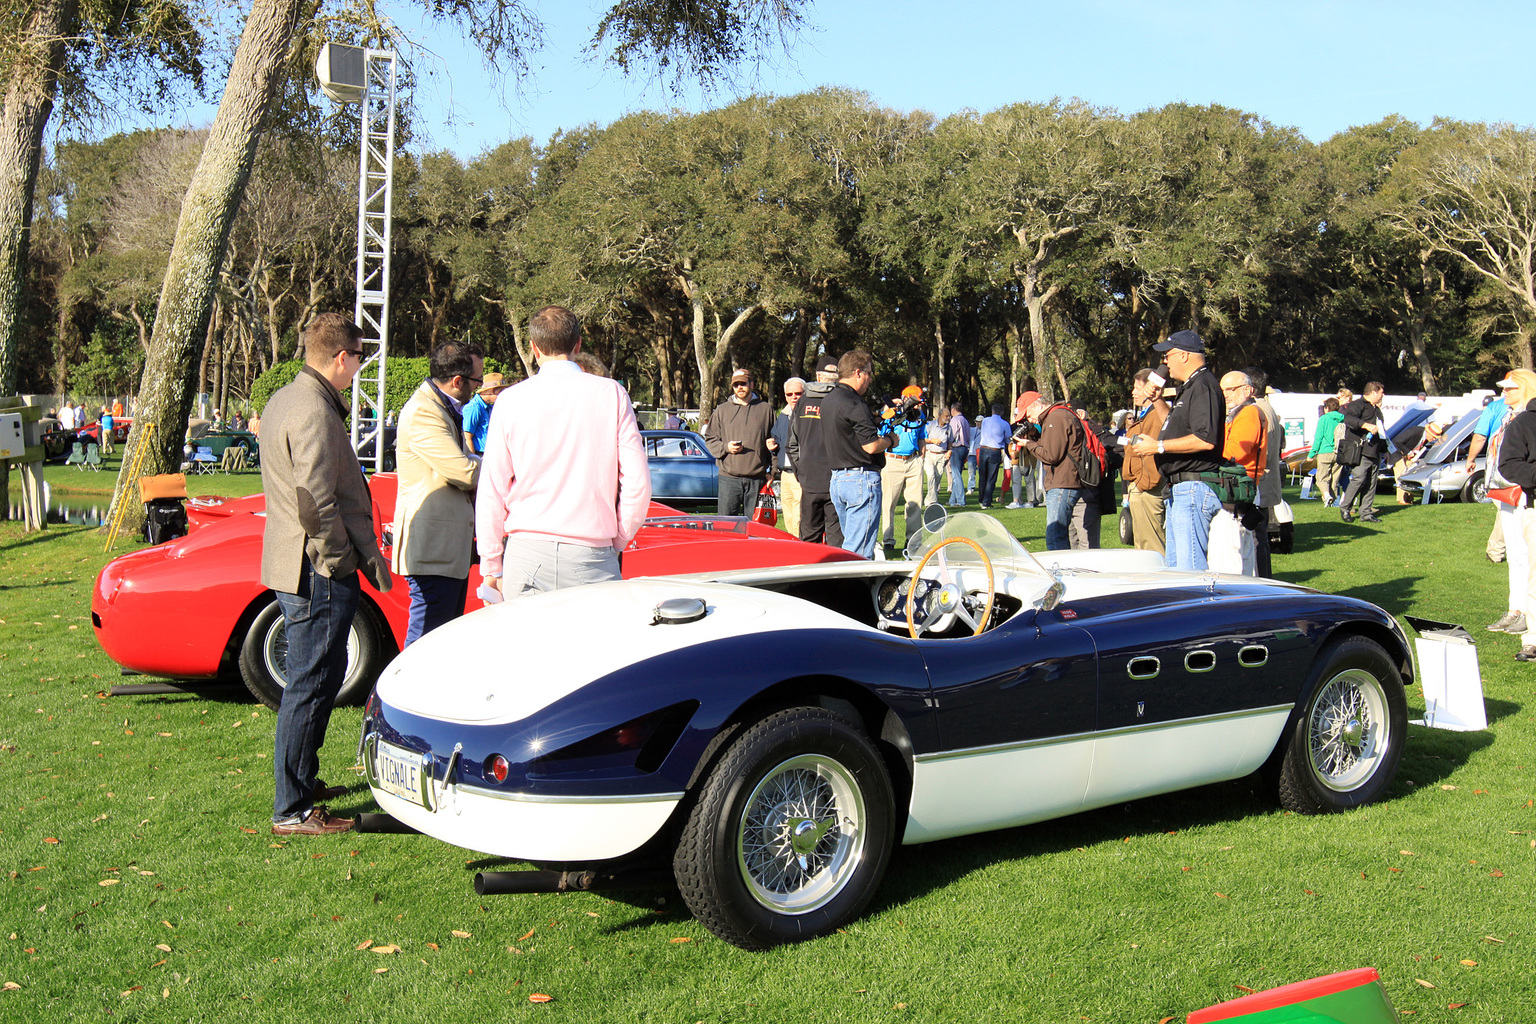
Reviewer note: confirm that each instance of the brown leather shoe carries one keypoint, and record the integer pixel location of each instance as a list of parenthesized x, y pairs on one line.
[(324, 792), (318, 822)]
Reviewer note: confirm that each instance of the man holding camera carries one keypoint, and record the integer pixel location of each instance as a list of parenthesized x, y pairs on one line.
[(1365, 431), (1060, 446), (902, 477)]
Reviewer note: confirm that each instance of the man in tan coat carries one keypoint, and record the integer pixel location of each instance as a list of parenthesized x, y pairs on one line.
[(435, 505), (318, 535), (1143, 483)]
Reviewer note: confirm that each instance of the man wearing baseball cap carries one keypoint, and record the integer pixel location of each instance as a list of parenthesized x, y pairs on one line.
[(808, 454), (907, 421), (1187, 448), (740, 437), (477, 412)]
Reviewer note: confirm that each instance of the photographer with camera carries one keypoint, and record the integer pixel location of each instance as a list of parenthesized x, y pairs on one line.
[(904, 418), (1061, 447)]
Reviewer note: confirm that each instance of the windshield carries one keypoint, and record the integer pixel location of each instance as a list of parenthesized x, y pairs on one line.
[(1000, 546)]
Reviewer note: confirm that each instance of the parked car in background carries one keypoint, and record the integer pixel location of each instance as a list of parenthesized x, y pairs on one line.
[(56, 440), (365, 451), (195, 608), (1443, 468), (217, 439), (683, 472), (91, 432)]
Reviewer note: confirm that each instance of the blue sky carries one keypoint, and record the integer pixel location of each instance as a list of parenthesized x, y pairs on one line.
[(1319, 65)]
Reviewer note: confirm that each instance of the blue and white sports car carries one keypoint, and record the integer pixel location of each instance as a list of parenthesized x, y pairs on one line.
[(770, 735)]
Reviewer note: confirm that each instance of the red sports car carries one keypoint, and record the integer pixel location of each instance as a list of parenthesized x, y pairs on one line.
[(194, 608)]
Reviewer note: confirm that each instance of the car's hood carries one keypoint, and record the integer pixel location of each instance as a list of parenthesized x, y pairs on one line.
[(507, 661)]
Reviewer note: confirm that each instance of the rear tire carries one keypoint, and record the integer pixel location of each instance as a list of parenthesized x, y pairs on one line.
[(264, 648), (790, 833), (1345, 746), (1127, 530)]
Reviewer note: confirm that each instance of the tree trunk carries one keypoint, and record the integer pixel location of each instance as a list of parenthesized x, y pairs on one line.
[(941, 401), (34, 79), (202, 237), (802, 335)]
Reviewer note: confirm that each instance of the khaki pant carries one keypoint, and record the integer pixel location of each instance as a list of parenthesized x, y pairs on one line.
[(901, 479), (1147, 512), (935, 469), (1328, 476), (789, 502), (1495, 546)]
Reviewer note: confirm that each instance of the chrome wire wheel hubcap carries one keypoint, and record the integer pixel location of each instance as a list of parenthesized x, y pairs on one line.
[(275, 653), (1346, 729), (802, 834)]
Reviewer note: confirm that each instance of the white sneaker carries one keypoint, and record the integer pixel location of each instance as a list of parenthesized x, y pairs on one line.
[(1014, 504)]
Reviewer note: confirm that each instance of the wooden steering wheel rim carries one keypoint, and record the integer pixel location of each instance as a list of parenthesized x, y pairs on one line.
[(986, 613)]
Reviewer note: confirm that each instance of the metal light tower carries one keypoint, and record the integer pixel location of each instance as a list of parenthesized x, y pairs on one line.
[(355, 74)]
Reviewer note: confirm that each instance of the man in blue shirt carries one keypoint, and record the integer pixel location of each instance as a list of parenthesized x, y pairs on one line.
[(906, 420), (994, 433), (959, 450), (477, 412)]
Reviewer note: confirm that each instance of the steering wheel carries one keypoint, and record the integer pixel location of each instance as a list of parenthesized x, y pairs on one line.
[(949, 596)]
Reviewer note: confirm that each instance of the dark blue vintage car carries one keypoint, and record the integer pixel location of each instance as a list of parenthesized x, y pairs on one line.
[(767, 737)]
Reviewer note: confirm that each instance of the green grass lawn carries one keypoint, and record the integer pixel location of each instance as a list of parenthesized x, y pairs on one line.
[(142, 883)]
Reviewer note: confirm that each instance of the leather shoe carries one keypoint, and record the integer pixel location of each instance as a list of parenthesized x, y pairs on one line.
[(318, 822), (324, 792), (1526, 653), (1347, 516), (1369, 517)]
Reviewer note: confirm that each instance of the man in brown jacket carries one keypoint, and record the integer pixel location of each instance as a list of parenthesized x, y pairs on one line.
[(435, 504), (740, 437), (317, 537), (1143, 483), (1060, 448)]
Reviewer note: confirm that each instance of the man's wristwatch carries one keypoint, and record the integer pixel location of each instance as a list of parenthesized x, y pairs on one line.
[(1159, 447)]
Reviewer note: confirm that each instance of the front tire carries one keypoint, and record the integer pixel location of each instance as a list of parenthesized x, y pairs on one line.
[(1476, 488), (1345, 746), (791, 831), (264, 652)]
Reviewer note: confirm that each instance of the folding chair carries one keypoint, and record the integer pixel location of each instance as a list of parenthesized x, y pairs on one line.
[(234, 459), (93, 456), (203, 459), (76, 456)]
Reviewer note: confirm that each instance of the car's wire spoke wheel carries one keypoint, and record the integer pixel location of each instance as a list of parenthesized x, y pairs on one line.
[(802, 834), (264, 657), (789, 830), (1346, 742), (1348, 724)]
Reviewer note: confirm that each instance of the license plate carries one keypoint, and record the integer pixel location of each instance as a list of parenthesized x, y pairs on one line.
[(399, 771)]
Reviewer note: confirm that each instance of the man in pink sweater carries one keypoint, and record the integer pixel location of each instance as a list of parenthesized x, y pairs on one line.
[(564, 484)]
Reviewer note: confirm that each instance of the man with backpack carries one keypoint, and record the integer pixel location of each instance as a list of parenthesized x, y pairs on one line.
[(1065, 461)]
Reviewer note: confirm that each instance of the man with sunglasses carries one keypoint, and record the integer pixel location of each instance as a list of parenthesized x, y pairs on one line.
[(789, 480), (317, 537), (740, 437), (435, 504)]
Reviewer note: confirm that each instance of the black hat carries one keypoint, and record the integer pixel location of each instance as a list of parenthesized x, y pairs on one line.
[(830, 366), (1184, 341)]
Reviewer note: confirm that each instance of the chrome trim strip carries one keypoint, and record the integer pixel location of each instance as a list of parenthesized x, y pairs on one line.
[(541, 798), (1003, 748)]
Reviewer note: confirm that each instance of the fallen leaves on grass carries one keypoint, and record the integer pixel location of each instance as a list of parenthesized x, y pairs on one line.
[(130, 991), (51, 841), (456, 933), (387, 950), (680, 938), (1421, 981), (109, 881), (1469, 963), (1492, 940), (1244, 988), (540, 997), (162, 947), (364, 944), (525, 938), (381, 970)]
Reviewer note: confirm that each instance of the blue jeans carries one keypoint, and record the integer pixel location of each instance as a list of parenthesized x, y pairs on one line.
[(856, 496), (1191, 507), (317, 621), (1058, 517), (989, 461), (434, 601), (957, 476)]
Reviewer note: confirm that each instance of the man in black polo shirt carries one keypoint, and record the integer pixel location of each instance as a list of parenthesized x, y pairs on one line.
[(807, 453), (855, 452), (1189, 445)]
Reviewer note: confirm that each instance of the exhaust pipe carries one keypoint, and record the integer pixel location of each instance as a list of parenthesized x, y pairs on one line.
[(504, 883), (384, 824)]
